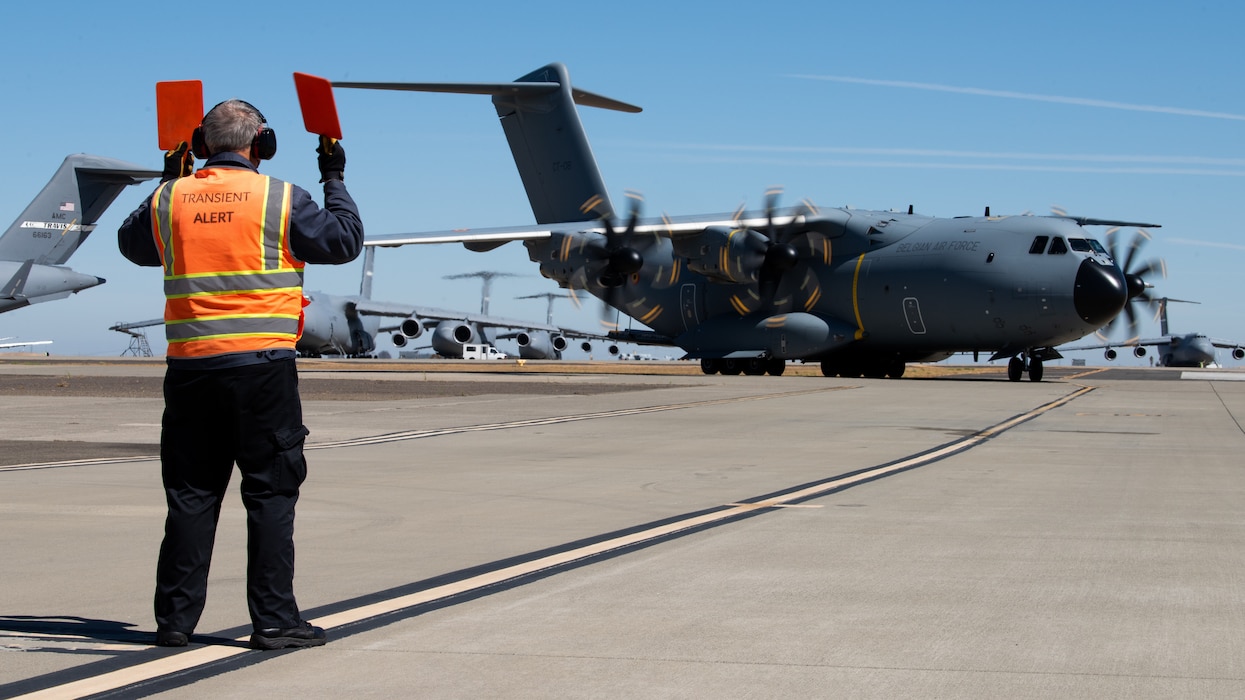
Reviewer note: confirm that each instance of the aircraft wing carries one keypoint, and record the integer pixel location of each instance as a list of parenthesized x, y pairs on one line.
[(1131, 343), (28, 342), (1225, 344), (569, 333), (426, 313), (431, 316), (663, 224)]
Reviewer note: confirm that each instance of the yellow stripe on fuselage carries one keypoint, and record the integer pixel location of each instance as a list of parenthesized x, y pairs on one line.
[(860, 326)]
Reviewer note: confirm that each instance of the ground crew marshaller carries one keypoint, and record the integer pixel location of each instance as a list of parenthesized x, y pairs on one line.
[(233, 244)]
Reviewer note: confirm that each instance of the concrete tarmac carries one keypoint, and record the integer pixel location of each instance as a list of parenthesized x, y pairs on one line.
[(658, 535)]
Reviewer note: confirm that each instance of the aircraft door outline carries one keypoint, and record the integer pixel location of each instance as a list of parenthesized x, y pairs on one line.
[(912, 313), (687, 306)]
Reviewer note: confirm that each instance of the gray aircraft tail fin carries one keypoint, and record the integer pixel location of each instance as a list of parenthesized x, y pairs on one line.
[(546, 138), (64, 213)]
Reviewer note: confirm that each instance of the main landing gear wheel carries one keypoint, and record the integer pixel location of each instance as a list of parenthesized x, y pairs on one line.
[(1016, 369), (1035, 370), (754, 366), (775, 367)]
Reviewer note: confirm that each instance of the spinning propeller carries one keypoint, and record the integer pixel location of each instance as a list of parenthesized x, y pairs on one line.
[(613, 263), (785, 247), (1135, 272)]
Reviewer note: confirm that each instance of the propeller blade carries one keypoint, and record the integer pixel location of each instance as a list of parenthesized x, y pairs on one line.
[(1130, 313), (1154, 265)]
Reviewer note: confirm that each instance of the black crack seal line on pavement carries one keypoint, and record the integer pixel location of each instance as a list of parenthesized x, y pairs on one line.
[(157, 670), (458, 430)]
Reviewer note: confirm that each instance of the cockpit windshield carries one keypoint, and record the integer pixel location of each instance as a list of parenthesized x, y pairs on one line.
[(1082, 245)]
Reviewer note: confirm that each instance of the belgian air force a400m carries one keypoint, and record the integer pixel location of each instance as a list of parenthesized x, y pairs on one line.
[(861, 292)]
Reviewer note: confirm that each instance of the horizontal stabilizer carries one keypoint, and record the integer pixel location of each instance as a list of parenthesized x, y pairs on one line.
[(538, 115), (528, 90)]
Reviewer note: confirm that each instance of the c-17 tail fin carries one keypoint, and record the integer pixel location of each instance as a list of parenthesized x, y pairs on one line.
[(64, 213), (546, 138), (34, 248)]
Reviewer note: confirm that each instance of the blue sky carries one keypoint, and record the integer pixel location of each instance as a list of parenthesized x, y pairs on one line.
[(1131, 110)]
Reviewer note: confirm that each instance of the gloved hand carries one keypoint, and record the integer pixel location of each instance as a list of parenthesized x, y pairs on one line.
[(178, 162), (332, 159)]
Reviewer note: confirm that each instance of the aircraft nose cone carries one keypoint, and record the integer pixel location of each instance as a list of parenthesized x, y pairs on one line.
[(1101, 292)]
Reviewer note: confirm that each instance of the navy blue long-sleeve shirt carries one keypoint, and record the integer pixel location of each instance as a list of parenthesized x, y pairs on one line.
[(332, 235)]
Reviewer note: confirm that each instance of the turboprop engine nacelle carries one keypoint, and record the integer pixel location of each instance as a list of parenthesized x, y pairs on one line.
[(722, 254), (570, 253)]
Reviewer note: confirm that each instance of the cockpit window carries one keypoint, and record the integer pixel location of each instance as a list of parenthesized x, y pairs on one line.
[(1080, 245), (1039, 245), (1057, 247), (1097, 247)]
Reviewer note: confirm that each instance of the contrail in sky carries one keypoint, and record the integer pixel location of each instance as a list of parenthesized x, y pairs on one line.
[(1100, 163), (1081, 101), (1209, 244)]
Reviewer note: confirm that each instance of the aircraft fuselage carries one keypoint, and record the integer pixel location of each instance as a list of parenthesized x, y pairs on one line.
[(877, 283), (39, 283)]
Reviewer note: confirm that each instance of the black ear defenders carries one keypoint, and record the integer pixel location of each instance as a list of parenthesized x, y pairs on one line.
[(263, 146)]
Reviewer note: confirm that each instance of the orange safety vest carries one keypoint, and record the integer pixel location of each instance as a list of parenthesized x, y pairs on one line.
[(231, 282)]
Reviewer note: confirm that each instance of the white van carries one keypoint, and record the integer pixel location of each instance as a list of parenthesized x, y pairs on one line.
[(482, 352)]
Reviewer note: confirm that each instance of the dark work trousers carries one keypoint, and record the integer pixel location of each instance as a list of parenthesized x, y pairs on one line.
[(251, 416)]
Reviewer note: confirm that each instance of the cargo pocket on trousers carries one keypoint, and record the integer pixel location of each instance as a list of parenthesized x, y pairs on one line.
[(290, 464)]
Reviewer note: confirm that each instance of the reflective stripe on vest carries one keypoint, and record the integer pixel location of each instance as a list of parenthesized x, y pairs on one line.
[(231, 282)]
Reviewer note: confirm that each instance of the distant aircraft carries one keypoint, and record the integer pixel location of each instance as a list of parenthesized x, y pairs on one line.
[(349, 325), (541, 345), (35, 247), (861, 292), (1187, 350)]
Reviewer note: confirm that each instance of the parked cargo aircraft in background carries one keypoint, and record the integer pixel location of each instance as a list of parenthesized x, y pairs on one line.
[(1186, 350), (861, 292), (350, 325), (34, 249)]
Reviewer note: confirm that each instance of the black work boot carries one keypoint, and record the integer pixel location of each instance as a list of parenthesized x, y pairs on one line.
[(304, 635), (166, 637)]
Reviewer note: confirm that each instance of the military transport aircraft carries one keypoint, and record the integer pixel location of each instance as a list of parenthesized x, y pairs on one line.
[(34, 249), (861, 292), (349, 325), (1186, 350)]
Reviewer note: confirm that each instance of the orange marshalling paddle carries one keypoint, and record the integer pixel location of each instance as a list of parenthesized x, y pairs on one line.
[(179, 109), (315, 97)]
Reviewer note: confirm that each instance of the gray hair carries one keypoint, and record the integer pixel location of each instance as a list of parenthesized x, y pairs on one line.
[(231, 126)]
